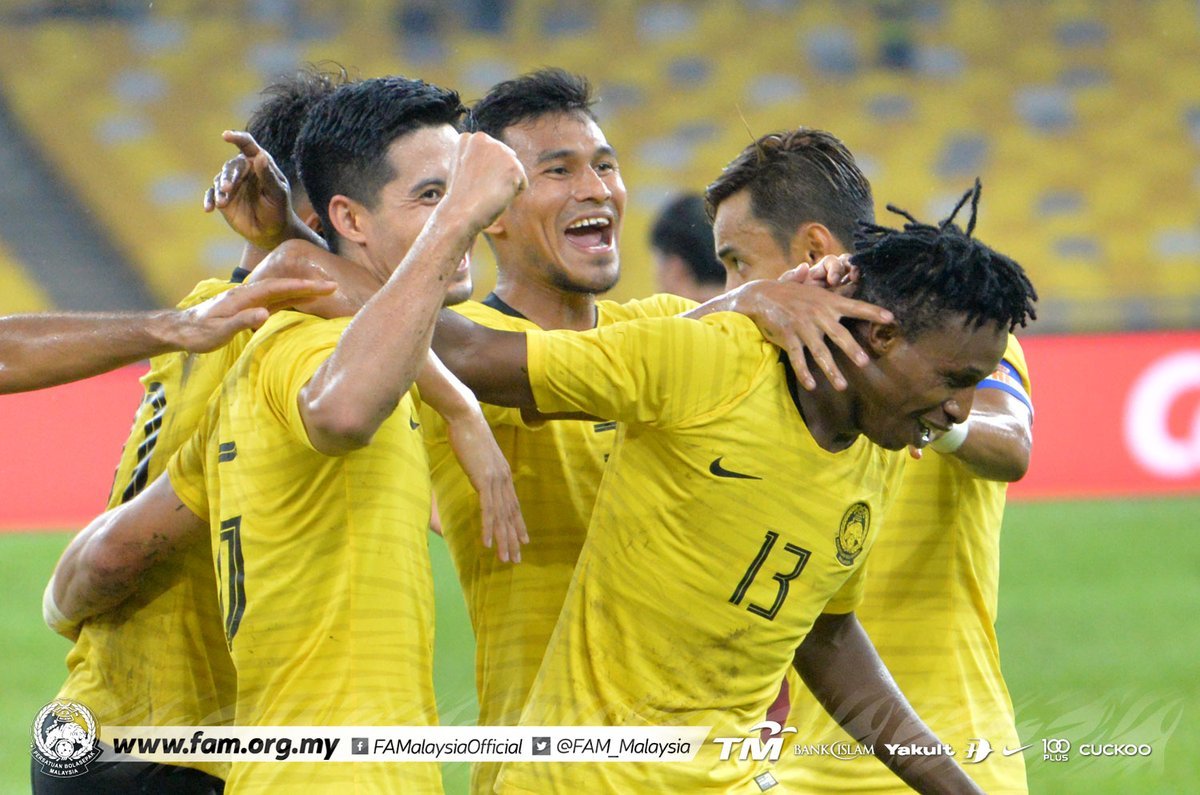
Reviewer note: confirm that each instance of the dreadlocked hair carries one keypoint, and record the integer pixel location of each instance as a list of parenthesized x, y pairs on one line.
[(923, 273)]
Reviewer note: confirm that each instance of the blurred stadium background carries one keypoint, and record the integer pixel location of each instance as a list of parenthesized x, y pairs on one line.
[(1081, 118)]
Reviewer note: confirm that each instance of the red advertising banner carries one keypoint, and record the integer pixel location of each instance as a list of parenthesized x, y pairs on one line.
[(1117, 415), (60, 449)]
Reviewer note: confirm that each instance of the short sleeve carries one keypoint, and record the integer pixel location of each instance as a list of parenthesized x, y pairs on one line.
[(186, 468), (655, 371), (291, 362), (659, 305), (849, 596), (1012, 375)]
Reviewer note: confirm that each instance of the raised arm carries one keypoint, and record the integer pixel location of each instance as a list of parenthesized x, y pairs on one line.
[(51, 348), (802, 312), (842, 669), (995, 441), (491, 363), (384, 347), (104, 563), (252, 194)]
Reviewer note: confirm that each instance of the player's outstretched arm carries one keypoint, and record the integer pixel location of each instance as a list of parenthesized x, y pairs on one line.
[(254, 197), (493, 364), (802, 312), (47, 349), (384, 347), (997, 437), (842, 669), (104, 563), (480, 457)]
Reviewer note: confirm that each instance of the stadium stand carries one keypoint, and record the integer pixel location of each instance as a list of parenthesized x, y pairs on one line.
[(1085, 142), (18, 292)]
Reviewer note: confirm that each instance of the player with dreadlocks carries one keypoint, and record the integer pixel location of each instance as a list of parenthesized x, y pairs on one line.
[(929, 605), (728, 538)]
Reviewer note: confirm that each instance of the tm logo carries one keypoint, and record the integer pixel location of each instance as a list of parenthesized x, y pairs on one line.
[(752, 746)]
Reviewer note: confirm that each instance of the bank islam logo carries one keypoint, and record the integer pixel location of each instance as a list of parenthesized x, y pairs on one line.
[(64, 738)]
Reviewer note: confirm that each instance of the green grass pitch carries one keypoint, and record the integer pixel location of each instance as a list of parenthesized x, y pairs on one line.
[(1097, 633)]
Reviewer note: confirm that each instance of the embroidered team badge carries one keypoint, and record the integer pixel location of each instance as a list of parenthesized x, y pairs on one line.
[(852, 532)]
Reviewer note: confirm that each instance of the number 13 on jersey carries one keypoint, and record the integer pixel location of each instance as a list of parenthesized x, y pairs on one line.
[(782, 577)]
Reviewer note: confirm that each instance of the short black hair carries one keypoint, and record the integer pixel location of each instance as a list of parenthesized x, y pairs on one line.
[(684, 229), (797, 177), (530, 96), (276, 123), (342, 148), (923, 273)]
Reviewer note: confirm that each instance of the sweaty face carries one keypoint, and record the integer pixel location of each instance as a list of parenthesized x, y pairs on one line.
[(563, 229), (420, 162), (926, 382)]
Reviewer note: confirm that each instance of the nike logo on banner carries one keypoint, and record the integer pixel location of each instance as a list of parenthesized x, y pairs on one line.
[(721, 472), (1007, 752)]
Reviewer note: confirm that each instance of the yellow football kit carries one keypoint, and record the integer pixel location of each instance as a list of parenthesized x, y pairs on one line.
[(159, 659), (322, 563), (557, 467), (930, 609), (720, 533)]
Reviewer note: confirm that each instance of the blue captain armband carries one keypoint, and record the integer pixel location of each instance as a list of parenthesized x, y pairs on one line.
[(1007, 379)]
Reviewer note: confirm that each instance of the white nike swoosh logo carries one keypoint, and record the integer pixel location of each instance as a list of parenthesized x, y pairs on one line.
[(1007, 752)]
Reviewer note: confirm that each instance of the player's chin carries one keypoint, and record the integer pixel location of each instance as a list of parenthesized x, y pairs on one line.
[(597, 274), (893, 439)]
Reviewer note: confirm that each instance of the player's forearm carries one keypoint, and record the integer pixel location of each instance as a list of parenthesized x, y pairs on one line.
[(384, 347), (726, 302), (104, 564), (43, 350), (294, 228), (84, 582), (997, 446), (842, 669), (493, 364), (448, 396)]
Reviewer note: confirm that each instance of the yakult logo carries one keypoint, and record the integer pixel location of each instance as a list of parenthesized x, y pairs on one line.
[(1147, 434)]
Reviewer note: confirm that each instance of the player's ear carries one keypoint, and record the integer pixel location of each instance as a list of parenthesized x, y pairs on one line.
[(348, 219), (812, 241), (881, 337)]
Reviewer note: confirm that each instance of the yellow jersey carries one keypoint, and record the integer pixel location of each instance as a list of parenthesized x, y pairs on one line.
[(930, 609), (557, 467), (720, 533), (159, 659), (322, 563)]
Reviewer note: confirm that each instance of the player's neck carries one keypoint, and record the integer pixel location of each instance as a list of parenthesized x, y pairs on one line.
[(547, 306), (829, 413), (369, 274)]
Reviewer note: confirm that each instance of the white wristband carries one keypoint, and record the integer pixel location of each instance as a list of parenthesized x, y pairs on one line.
[(952, 439), (54, 617)]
